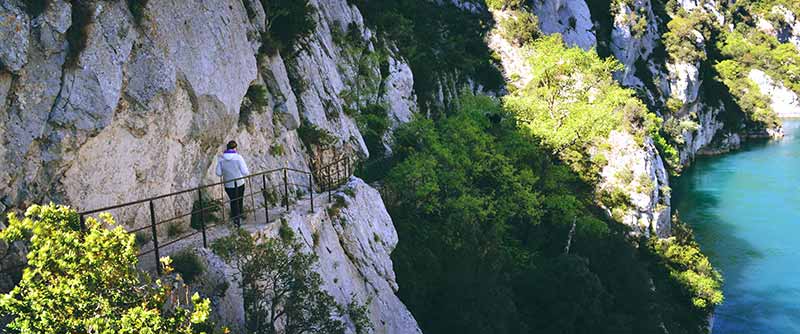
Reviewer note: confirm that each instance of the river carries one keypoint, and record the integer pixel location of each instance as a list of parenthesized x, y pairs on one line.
[(745, 211)]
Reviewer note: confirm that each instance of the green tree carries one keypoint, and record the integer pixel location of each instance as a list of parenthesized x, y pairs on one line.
[(280, 286), (573, 102), (87, 282), (288, 21)]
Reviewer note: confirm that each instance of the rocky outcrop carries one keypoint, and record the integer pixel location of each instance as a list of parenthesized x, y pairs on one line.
[(354, 242), (785, 102), (786, 29), (514, 60), (570, 18), (638, 172), (633, 39)]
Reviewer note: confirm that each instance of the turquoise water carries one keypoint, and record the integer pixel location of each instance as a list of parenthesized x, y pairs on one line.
[(745, 211)]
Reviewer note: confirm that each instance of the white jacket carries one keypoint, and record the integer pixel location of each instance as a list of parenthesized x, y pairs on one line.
[(231, 166)]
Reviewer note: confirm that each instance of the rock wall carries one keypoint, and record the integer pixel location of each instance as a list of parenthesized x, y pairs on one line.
[(785, 102), (353, 243), (570, 18), (148, 104)]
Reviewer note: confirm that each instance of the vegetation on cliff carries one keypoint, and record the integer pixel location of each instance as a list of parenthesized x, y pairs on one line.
[(87, 282), (485, 218)]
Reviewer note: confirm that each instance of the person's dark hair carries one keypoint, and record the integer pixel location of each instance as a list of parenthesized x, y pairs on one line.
[(231, 144)]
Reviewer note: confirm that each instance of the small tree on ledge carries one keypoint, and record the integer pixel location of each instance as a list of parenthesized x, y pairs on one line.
[(281, 292)]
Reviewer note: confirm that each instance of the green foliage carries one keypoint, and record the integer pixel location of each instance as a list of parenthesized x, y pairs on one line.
[(484, 213), (573, 102), (175, 229), (204, 211), (685, 36), (520, 28), (373, 122), (188, 264), (748, 95), (505, 4), (689, 267), (314, 136), (276, 149), (438, 39), (336, 207), (258, 96), (280, 286), (288, 22), (86, 281), (755, 49)]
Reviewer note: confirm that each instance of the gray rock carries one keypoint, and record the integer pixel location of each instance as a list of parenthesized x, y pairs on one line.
[(14, 32), (570, 18)]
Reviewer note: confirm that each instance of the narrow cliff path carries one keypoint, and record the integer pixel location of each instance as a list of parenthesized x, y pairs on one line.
[(253, 222)]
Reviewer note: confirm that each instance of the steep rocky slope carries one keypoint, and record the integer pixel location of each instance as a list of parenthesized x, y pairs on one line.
[(147, 105)]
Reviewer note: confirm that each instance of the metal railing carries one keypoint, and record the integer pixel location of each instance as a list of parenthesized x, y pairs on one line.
[(169, 211)]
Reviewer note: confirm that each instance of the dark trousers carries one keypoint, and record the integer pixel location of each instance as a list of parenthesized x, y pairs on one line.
[(236, 196)]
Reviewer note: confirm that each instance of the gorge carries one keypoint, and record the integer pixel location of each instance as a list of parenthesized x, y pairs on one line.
[(514, 161)]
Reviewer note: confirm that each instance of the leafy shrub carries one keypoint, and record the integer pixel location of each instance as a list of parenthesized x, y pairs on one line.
[(521, 28), (689, 267), (276, 149), (569, 116), (205, 211), (439, 40), (257, 95), (288, 22), (91, 271), (312, 135), (175, 230), (373, 122), (189, 265), (681, 39), (505, 4)]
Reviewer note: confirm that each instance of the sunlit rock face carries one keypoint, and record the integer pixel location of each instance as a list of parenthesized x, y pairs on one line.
[(148, 104), (353, 243), (570, 18), (785, 102)]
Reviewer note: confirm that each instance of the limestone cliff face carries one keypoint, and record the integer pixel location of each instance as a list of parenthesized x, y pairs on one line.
[(785, 102), (353, 244), (147, 105)]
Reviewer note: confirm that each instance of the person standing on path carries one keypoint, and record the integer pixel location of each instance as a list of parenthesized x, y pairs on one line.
[(231, 166)]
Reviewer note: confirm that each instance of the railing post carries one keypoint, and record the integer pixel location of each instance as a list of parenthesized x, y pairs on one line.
[(286, 187), (311, 190), (338, 173), (223, 203), (264, 193), (155, 237), (202, 217), (330, 183), (82, 222)]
